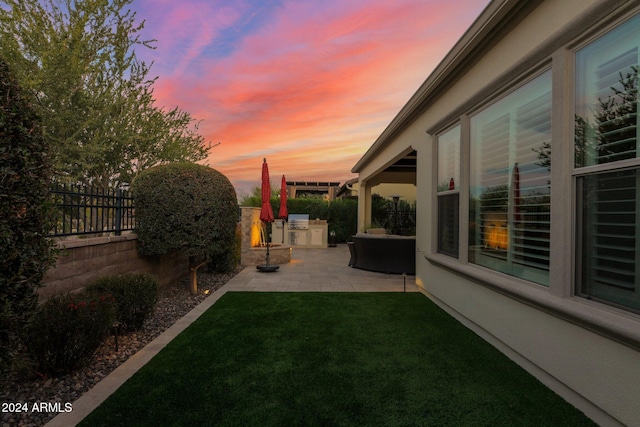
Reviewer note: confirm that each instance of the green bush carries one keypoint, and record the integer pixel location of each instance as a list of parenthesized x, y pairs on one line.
[(341, 214), (67, 330), (343, 218), (25, 214), (188, 208), (229, 260), (383, 214), (135, 297)]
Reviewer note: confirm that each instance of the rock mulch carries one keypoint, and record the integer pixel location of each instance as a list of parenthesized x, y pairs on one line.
[(173, 303)]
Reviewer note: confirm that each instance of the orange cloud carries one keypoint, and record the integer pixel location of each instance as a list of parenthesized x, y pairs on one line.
[(308, 86)]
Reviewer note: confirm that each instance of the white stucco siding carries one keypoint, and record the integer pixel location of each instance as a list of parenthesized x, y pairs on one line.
[(585, 350), (575, 362), (589, 368)]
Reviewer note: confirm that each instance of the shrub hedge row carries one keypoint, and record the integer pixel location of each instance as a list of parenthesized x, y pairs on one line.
[(67, 329), (135, 296), (26, 215), (341, 214)]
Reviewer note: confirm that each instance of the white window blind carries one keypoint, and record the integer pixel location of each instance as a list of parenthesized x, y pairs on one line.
[(510, 183), (448, 191), (609, 205), (608, 199)]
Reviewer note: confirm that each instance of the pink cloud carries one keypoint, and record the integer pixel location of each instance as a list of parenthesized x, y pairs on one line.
[(312, 88)]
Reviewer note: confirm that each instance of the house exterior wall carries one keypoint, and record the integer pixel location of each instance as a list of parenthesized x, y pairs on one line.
[(587, 351)]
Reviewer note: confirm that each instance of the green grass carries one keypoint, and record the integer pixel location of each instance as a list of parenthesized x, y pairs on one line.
[(331, 359)]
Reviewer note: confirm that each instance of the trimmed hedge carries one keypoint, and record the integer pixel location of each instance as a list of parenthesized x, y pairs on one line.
[(229, 260), (26, 215), (186, 207)]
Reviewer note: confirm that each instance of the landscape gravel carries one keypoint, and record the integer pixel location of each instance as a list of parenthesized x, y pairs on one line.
[(173, 303)]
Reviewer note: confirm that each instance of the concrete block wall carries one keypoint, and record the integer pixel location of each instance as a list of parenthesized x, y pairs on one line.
[(250, 225), (277, 255), (249, 221), (83, 260)]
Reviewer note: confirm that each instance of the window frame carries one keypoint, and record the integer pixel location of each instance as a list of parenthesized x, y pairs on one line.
[(579, 173), (512, 145), (559, 298), (456, 191)]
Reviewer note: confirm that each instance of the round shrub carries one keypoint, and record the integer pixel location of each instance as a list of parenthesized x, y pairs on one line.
[(135, 296), (25, 213), (67, 330), (229, 260), (185, 207)]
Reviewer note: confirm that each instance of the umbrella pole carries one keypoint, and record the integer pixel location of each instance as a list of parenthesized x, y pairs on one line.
[(268, 234)]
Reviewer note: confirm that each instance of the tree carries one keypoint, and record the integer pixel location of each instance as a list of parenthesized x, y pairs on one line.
[(185, 207), (254, 198), (25, 214), (613, 135), (77, 60)]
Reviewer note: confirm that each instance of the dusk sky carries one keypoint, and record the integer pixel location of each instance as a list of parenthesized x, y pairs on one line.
[(307, 84)]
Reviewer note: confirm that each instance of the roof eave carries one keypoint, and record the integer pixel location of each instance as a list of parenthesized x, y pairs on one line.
[(460, 56)]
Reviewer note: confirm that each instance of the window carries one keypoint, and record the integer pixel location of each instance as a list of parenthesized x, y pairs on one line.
[(448, 191), (607, 162), (509, 206)]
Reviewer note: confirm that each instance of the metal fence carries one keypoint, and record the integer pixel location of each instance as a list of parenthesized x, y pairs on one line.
[(82, 210)]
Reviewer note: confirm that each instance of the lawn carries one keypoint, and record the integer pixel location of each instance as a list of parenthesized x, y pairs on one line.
[(331, 359)]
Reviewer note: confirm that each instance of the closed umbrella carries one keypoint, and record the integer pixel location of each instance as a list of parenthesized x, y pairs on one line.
[(283, 199), (283, 213), (266, 215), (516, 193)]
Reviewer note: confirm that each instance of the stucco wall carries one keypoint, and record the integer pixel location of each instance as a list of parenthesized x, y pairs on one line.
[(595, 373), (572, 351), (83, 260), (587, 352)]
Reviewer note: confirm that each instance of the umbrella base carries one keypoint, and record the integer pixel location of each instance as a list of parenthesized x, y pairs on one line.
[(267, 268)]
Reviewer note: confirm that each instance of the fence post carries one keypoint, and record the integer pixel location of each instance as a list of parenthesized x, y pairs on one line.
[(118, 212)]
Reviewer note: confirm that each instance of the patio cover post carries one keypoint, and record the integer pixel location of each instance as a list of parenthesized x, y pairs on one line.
[(364, 205)]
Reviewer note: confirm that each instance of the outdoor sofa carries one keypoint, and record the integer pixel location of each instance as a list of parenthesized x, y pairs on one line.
[(386, 253)]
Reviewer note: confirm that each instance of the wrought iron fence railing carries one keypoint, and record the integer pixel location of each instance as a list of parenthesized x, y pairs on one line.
[(82, 210)]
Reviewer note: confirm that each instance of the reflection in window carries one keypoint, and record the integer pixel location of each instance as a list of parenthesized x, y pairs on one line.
[(608, 205), (509, 212), (606, 133), (449, 160), (607, 97), (448, 192)]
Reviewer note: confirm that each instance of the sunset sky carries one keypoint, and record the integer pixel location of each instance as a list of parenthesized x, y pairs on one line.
[(307, 84)]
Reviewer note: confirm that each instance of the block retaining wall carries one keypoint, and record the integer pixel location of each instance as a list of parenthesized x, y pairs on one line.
[(277, 255), (83, 260), (250, 224)]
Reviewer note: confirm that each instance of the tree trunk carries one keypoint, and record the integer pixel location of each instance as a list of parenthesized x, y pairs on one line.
[(193, 274)]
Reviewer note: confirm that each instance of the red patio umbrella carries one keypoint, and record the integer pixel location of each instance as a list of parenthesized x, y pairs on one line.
[(266, 215), (283, 213), (283, 199), (516, 194)]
